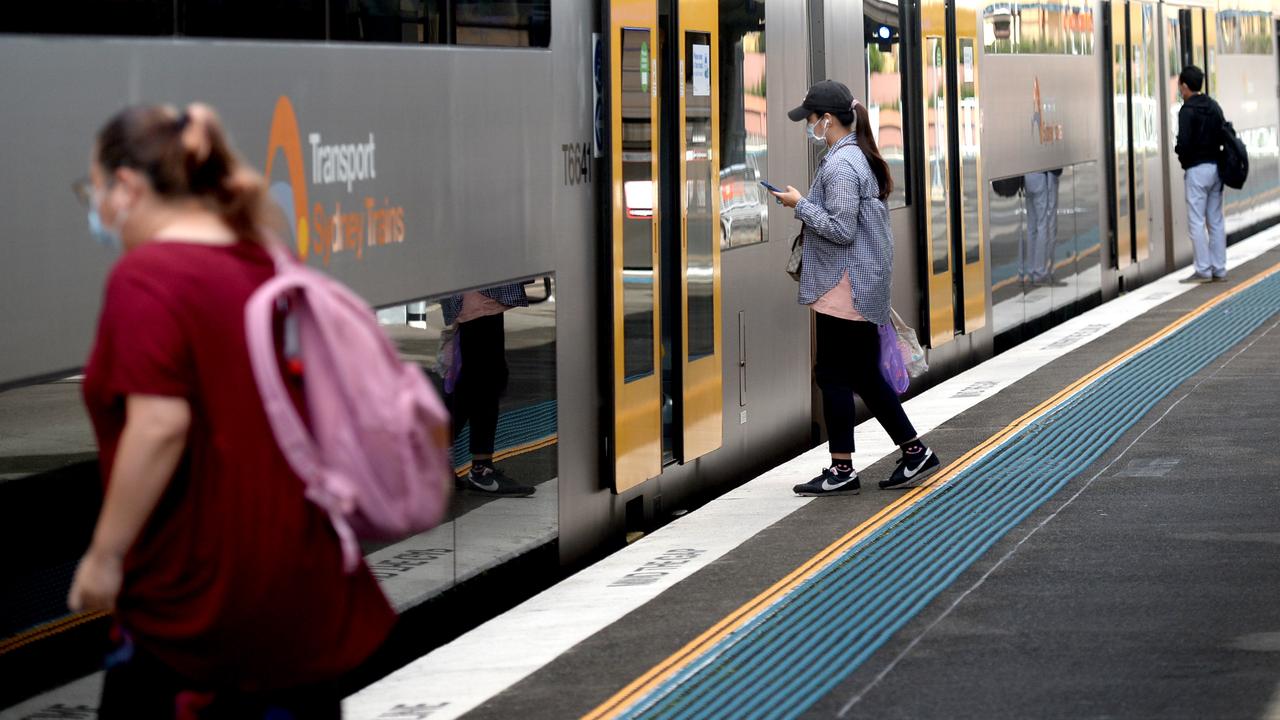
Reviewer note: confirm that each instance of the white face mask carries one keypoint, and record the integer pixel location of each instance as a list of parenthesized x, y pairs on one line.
[(814, 136)]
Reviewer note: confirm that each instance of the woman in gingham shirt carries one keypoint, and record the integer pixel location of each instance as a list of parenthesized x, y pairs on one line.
[(844, 277)]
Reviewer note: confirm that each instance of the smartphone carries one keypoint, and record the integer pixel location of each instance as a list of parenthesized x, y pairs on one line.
[(771, 188)]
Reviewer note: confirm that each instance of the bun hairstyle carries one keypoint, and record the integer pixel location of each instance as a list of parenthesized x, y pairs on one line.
[(186, 155)]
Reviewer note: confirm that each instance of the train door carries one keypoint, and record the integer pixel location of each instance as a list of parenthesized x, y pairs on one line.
[(1184, 43), (951, 211), (1136, 190), (663, 254)]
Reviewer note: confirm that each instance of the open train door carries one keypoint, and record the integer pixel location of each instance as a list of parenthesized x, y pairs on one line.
[(1185, 41)]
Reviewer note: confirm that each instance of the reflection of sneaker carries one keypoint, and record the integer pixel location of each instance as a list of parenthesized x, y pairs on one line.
[(1049, 282), (829, 483), (1194, 279), (491, 481), (911, 470)]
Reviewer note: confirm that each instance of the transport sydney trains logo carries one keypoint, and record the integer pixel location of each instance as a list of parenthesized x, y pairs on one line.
[(1043, 128), (345, 217)]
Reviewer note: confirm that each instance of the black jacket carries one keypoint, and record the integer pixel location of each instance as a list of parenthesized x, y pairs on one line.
[(1199, 131)]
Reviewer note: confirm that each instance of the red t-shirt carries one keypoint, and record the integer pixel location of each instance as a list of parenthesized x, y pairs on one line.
[(236, 580)]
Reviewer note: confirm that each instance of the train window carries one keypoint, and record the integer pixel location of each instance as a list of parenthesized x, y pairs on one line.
[(1047, 28), (50, 493), (491, 354), (699, 202), (882, 26), (389, 21), (1244, 32), (744, 146), (92, 17), (261, 19), (638, 283), (506, 23)]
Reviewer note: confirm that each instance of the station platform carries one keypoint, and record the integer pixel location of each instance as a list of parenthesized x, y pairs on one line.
[(1103, 540)]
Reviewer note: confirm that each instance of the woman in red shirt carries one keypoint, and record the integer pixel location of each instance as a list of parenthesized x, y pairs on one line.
[(226, 583)]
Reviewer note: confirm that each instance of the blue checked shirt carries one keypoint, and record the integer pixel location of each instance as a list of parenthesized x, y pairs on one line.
[(511, 295), (846, 228)]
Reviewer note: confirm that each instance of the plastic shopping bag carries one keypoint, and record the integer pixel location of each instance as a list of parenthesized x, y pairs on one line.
[(892, 366), (909, 347)]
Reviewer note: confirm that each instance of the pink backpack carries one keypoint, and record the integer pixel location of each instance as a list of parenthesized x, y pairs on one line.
[(375, 456)]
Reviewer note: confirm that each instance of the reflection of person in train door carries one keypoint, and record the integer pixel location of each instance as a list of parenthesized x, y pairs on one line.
[(477, 376), (1042, 226)]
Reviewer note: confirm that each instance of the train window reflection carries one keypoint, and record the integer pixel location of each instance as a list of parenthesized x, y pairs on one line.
[(490, 353), (50, 493), (700, 235), (262, 19), (885, 80), (1244, 32), (637, 222), (1049, 27), (91, 17), (502, 23), (744, 147), (506, 23), (388, 21), (935, 92)]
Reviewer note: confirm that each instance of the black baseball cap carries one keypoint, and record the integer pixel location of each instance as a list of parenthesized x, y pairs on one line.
[(827, 96)]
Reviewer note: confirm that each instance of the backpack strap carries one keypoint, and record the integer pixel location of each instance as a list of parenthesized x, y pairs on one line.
[(291, 433)]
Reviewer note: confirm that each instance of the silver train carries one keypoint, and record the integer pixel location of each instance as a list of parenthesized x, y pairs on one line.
[(607, 157)]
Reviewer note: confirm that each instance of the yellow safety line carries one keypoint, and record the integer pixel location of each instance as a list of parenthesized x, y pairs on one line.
[(48, 629), (685, 655)]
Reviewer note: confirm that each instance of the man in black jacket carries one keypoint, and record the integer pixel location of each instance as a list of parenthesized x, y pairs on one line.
[(1199, 145)]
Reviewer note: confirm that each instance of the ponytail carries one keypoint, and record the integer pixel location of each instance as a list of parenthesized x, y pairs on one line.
[(867, 142), (186, 156)]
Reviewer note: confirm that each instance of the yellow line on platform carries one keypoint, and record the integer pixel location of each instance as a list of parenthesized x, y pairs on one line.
[(687, 654), (40, 632)]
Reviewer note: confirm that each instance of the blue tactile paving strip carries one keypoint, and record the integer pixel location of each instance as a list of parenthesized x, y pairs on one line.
[(785, 659), (516, 428)]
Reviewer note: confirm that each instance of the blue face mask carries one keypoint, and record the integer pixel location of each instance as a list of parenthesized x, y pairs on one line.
[(105, 236)]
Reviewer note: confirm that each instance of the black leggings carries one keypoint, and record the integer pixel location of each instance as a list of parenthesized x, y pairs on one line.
[(481, 381), (848, 363)]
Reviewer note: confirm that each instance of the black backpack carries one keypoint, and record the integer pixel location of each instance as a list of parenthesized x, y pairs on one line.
[(1233, 163), (1007, 187)]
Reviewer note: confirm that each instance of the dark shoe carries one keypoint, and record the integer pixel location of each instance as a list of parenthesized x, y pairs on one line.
[(829, 483), (1219, 278), (910, 472), (485, 480), (1194, 279), (1050, 282)]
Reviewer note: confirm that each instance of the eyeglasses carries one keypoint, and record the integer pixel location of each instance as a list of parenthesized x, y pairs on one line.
[(83, 190)]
